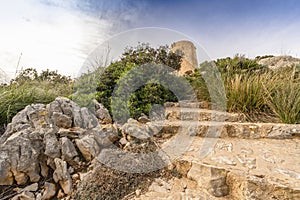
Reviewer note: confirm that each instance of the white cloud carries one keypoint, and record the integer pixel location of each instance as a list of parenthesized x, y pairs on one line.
[(50, 34)]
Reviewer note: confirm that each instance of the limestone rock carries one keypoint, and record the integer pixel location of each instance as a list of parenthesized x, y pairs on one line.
[(102, 113), (277, 62), (61, 120), (144, 118), (50, 191), (72, 133), (210, 178), (88, 146), (52, 145), (135, 129), (41, 133), (54, 106), (31, 188), (62, 176), (22, 157), (24, 196), (106, 134), (89, 121), (6, 176), (68, 150), (224, 160)]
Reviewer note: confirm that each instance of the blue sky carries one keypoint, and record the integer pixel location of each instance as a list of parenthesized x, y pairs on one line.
[(59, 35)]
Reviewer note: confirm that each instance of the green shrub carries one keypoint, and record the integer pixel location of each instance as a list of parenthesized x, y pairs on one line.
[(238, 64), (148, 93), (84, 88), (198, 83)]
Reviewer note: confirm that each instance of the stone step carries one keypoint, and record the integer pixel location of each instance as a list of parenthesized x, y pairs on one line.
[(233, 169), (196, 114), (188, 104), (250, 169), (212, 129)]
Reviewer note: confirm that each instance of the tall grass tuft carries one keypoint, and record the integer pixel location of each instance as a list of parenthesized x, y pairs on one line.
[(282, 94), (244, 93)]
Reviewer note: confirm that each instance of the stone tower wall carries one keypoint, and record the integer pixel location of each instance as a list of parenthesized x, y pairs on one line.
[(189, 61)]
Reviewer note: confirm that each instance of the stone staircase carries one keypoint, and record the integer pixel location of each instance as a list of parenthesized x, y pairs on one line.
[(221, 156)]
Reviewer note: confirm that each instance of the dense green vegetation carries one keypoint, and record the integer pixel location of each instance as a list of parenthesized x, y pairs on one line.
[(123, 75), (250, 88)]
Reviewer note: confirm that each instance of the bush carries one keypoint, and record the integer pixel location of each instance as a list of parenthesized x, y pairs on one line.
[(237, 65), (84, 88), (198, 83), (149, 93)]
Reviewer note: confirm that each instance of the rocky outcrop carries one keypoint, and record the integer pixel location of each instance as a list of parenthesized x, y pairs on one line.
[(277, 62), (57, 137), (53, 148)]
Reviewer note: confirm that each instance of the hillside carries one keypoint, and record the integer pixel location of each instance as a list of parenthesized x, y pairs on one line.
[(196, 135)]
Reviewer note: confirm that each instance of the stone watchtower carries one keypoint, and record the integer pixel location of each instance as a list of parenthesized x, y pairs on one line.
[(189, 60)]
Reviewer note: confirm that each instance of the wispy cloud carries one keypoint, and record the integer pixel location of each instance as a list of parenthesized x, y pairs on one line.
[(54, 34)]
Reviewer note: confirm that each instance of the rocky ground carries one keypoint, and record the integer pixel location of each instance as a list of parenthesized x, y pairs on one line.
[(62, 151), (277, 62)]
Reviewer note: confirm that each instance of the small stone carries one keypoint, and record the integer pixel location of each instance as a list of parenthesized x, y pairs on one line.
[(71, 170), (123, 141), (31, 188), (61, 120), (88, 147), (72, 133), (102, 113), (60, 194), (247, 161), (138, 193), (50, 191), (26, 195), (38, 196), (75, 177), (62, 176), (135, 129), (105, 135), (68, 150), (143, 118)]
